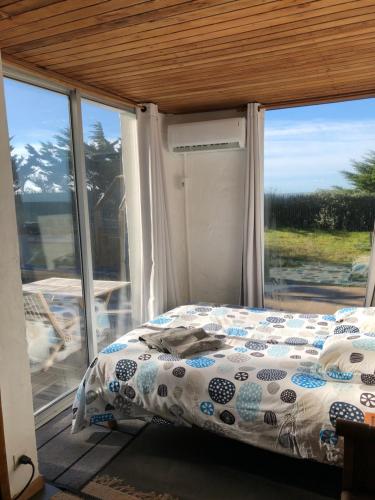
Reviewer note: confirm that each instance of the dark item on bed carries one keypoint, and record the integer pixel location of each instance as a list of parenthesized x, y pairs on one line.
[(182, 342), (359, 464)]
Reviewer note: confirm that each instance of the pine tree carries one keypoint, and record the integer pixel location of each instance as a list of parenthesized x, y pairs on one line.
[(103, 162), (363, 177), (16, 162), (48, 167)]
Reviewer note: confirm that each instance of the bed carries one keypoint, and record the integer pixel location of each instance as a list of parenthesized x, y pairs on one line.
[(280, 382)]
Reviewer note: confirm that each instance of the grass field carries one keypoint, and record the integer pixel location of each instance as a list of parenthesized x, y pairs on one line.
[(334, 247)]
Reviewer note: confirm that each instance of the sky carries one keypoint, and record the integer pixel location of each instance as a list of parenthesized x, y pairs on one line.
[(36, 114), (306, 148)]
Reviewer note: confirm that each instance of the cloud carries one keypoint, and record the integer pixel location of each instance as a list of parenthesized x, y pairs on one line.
[(303, 156), (287, 128)]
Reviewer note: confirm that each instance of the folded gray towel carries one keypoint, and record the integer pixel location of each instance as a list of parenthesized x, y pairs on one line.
[(182, 342), (154, 340), (188, 342)]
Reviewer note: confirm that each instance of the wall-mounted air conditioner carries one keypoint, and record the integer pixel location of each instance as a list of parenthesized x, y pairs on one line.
[(228, 133)]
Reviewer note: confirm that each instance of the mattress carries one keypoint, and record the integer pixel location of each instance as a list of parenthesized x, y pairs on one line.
[(280, 381)]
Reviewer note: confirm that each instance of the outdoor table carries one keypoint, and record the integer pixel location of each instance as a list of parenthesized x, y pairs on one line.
[(39, 299), (72, 287)]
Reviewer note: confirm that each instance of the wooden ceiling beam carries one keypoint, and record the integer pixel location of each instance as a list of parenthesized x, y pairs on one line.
[(205, 20), (244, 29), (365, 90), (260, 64), (190, 55), (350, 48), (131, 16), (90, 90), (142, 40), (158, 93), (249, 45), (190, 65), (198, 24), (12, 8), (39, 11), (255, 90)]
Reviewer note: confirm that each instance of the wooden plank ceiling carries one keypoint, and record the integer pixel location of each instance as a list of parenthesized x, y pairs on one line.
[(201, 54)]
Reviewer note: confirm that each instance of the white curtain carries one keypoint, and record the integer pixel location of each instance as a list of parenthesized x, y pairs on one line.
[(252, 290), (158, 282), (130, 164), (370, 291)]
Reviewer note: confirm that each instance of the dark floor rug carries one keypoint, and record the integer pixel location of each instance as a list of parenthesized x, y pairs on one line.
[(192, 464), (109, 488)]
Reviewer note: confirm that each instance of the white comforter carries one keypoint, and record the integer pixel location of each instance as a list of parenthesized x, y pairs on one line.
[(274, 385)]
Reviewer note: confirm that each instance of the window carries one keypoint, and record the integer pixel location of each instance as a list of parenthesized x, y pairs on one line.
[(50, 201), (319, 205), (108, 220), (44, 190)]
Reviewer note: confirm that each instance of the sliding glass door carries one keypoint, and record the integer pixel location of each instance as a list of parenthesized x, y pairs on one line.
[(72, 230), (50, 254), (319, 205), (108, 220)]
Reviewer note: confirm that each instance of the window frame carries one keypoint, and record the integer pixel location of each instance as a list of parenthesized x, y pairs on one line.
[(75, 97)]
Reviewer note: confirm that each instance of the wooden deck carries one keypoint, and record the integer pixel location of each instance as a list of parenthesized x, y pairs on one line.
[(319, 299), (72, 460)]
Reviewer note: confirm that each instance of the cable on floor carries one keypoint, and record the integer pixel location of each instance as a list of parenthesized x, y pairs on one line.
[(25, 460)]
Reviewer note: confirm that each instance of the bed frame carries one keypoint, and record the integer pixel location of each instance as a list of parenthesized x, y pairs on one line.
[(358, 480)]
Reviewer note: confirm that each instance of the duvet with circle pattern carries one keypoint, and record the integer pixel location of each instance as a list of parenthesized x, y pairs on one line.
[(280, 381)]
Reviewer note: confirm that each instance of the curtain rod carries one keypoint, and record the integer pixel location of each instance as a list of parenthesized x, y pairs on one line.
[(318, 100)]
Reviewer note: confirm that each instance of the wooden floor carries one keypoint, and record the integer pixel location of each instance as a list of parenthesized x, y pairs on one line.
[(71, 460)]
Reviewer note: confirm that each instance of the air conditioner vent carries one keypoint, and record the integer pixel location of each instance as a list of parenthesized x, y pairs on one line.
[(206, 147)]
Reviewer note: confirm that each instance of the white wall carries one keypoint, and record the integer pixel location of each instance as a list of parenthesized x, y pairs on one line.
[(207, 210), (15, 383)]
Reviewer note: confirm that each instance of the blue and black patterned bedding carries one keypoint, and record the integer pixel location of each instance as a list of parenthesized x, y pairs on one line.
[(280, 383)]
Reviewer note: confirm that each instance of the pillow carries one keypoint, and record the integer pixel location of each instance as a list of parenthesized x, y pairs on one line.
[(348, 354), (349, 358), (354, 320), (344, 312)]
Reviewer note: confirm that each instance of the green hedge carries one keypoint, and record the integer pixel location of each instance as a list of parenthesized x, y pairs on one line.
[(322, 210)]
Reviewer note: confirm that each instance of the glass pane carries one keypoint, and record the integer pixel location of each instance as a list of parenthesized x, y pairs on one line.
[(41, 150), (319, 205), (108, 221)]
